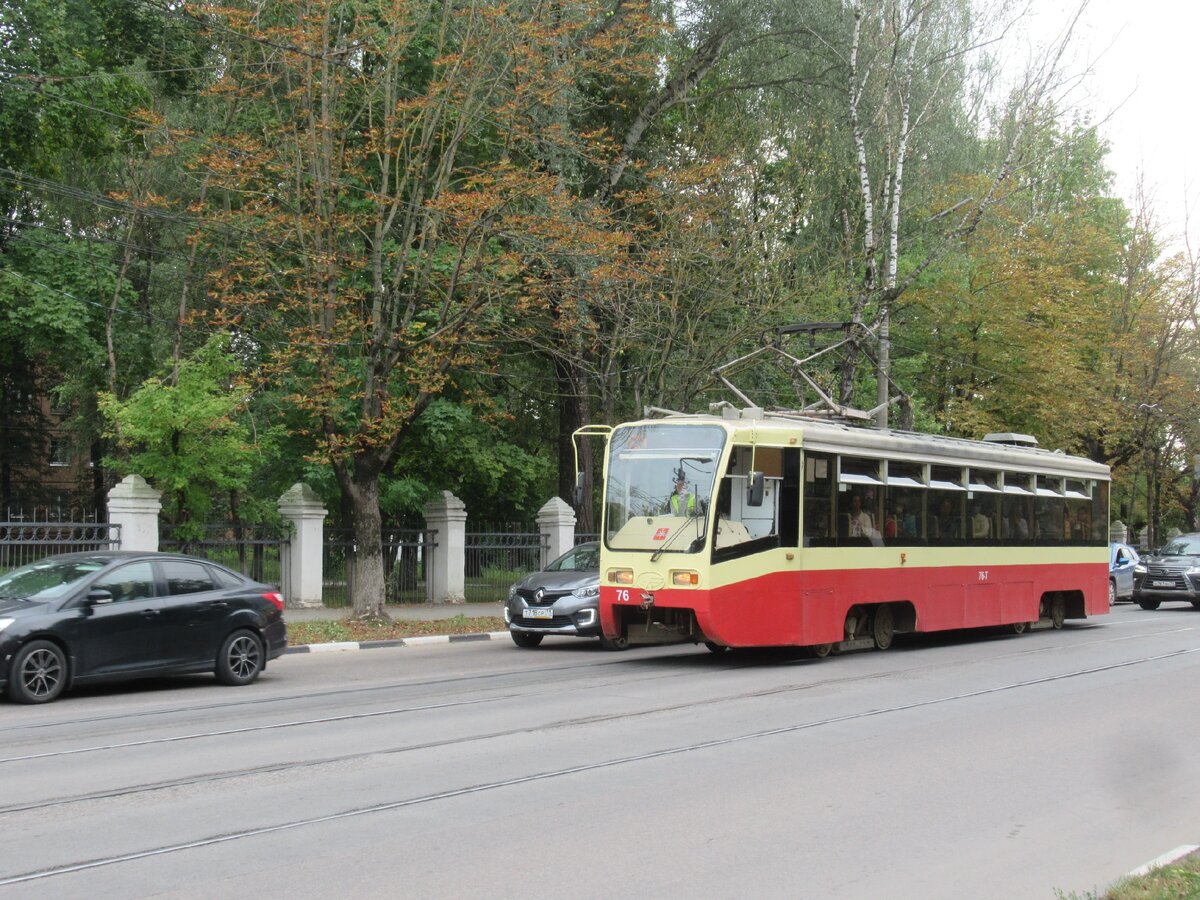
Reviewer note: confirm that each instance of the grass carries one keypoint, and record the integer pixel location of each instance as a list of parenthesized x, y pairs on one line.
[(1178, 881), (326, 631)]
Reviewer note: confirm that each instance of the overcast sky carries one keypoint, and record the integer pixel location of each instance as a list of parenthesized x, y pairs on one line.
[(1145, 61)]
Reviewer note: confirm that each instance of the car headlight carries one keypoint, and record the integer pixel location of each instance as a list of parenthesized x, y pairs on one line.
[(4, 623), (584, 593), (512, 591), (1139, 569), (1194, 570)]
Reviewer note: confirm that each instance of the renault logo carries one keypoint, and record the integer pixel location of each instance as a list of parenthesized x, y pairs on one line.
[(539, 595)]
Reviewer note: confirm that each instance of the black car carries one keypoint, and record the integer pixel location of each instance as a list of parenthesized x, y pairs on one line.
[(88, 617), (1171, 572)]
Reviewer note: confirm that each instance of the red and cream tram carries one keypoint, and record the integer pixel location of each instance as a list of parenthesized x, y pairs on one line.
[(799, 531)]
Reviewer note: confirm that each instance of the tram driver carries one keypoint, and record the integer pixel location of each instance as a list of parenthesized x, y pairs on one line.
[(682, 502)]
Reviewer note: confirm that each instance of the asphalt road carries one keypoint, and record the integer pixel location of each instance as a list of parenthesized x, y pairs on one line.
[(970, 765)]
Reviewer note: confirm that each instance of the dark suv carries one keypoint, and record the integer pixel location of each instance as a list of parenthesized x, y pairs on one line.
[(1171, 572)]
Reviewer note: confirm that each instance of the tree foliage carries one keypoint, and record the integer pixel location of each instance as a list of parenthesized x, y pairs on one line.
[(422, 243)]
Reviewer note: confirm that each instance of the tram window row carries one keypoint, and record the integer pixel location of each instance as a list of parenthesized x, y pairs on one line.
[(855, 501)]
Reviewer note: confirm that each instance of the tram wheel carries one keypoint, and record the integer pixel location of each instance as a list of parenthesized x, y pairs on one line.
[(1018, 627), (883, 627), (820, 651), (1058, 611)]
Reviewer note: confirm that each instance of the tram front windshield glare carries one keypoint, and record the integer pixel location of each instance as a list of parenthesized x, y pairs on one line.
[(645, 463)]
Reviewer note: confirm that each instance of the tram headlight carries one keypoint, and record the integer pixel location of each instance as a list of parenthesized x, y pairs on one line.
[(685, 579), (620, 576)]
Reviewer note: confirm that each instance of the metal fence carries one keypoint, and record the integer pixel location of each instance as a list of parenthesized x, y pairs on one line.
[(496, 559), (407, 556), (26, 542), (256, 551)]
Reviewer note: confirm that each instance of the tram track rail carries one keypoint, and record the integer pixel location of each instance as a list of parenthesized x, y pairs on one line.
[(83, 865), (338, 759)]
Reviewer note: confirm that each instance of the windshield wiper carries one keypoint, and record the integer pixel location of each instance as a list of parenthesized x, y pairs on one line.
[(670, 540)]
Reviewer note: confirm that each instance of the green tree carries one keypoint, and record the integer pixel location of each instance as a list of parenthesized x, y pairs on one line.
[(188, 436)]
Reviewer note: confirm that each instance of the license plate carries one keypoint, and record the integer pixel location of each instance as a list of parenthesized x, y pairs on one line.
[(1162, 584), (546, 613)]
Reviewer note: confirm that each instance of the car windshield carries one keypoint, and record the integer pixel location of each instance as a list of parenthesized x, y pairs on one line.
[(48, 579), (1184, 545), (584, 558)]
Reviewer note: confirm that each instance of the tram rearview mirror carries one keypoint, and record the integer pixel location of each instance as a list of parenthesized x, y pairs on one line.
[(754, 489)]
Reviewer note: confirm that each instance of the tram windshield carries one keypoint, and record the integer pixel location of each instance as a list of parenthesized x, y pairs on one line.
[(660, 485)]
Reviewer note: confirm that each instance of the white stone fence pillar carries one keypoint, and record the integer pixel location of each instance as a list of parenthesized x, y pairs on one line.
[(303, 563), (134, 505), (556, 522), (445, 580), (1118, 533)]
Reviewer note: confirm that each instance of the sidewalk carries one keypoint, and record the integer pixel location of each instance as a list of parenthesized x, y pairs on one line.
[(413, 612)]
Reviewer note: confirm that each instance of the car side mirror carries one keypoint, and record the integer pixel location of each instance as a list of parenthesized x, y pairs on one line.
[(99, 596), (754, 489)]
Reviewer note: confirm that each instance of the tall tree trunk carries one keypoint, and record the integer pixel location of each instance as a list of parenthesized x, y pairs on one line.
[(368, 586), (574, 411)]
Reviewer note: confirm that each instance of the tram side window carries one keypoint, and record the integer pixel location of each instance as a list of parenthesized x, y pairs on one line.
[(982, 519), (1014, 527), (742, 529), (819, 471), (1077, 522), (1099, 512), (904, 518), (1048, 518), (946, 517)]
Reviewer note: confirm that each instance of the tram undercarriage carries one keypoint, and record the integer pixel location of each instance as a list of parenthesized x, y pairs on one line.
[(867, 626)]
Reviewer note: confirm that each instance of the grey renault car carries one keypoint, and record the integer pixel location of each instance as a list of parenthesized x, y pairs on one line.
[(564, 598)]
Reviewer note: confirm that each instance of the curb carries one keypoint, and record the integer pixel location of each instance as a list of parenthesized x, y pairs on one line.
[(1165, 860), (339, 646)]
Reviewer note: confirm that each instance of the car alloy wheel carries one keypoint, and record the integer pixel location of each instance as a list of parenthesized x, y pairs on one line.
[(38, 674), (241, 658)]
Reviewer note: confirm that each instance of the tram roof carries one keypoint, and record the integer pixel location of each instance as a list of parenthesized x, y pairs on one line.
[(839, 437)]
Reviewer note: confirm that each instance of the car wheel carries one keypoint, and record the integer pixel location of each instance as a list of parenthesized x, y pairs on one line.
[(525, 639), (240, 660), (1112, 593), (620, 643), (38, 673), (1149, 604)]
